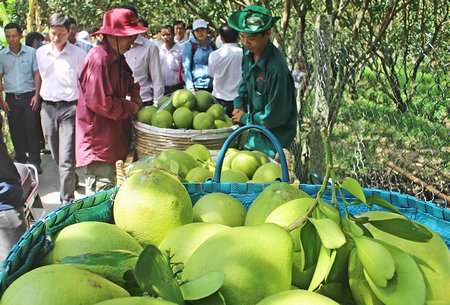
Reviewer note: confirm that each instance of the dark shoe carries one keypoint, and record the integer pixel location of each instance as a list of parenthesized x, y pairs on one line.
[(45, 151)]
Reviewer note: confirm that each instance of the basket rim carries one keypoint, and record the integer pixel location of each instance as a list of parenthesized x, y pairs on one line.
[(183, 132)]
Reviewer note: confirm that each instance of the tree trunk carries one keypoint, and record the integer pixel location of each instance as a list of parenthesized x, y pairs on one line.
[(315, 157)]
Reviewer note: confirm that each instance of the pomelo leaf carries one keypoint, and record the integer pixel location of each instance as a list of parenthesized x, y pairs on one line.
[(322, 268), (154, 275), (376, 260), (382, 203), (354, 188), (403, 228), (352, 228), (310, 244), (330, 233), (109, 258), (202, 286), (406, 287), (130, 284), (339, 270), (328, 211)]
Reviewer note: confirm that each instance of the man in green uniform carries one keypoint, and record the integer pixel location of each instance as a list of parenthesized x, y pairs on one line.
[(267, 93)]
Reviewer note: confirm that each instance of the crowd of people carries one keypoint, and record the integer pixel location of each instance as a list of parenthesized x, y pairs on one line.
[(79, 99)]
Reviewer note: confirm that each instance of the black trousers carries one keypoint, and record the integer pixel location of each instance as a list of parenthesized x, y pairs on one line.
[(24, 127), (228, 105)]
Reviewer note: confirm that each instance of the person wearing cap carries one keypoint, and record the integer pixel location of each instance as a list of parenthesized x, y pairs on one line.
[(195, 58), (59, 65), (267, 94), (108, 97)]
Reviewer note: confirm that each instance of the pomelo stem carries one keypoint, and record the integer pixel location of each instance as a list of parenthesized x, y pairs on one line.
[(329, 166)]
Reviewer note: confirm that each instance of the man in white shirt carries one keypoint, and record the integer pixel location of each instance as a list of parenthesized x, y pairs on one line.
[(179, 28), (60, 65), (224, 66), (73, 30), (170, 57), (143, 59)]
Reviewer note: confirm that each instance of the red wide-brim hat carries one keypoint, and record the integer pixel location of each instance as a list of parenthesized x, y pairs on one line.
[(120, 22)]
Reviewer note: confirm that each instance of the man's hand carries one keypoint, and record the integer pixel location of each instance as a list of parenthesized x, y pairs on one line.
[(136, 107), (139, 102), (5, 106), (236, 115), (35, 103)]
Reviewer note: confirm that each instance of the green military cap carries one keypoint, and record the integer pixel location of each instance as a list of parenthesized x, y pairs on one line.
[(252, 19)]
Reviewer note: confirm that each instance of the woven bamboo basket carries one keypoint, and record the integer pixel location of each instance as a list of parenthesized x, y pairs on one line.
[(150, 140)]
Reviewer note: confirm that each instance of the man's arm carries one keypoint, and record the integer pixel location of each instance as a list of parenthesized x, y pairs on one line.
[(99, 96), (5, 105), (35, 101), (154, 66), (186, 59)]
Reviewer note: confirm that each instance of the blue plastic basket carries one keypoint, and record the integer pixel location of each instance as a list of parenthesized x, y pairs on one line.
[(35, 243)]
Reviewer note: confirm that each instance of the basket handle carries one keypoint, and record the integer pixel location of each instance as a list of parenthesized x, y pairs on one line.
[(269, 134)]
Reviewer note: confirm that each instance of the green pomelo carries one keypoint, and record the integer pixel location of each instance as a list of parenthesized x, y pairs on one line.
[(217, 111), (203, 121), (256, 261), (136, 301), (229, 154), (184, 240), (262, 157), (150, 204), (183, 118), (220, 124), (166, 104), (162, 119), (195, 112), (267, 173), (167, 160), (246, 162), (198, 174), (145, 114), (297, 296), (184, 98), (93, 237), (231, 175), (287, 213), (219, 208), (269, 199), (228, 121), (199, 152), (432, 257), (204, 100), (162, 101), (61, 284)]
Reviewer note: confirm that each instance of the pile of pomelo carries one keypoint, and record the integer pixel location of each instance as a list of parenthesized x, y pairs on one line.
[(195, 164), (186, 110), (219, 253)]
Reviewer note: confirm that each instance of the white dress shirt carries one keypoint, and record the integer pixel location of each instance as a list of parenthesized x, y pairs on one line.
[(60, 71), (224, 66), (143, 59), (170, 64)]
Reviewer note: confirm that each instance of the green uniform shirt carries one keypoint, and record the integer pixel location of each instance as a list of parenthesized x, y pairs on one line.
[(267, 92)]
